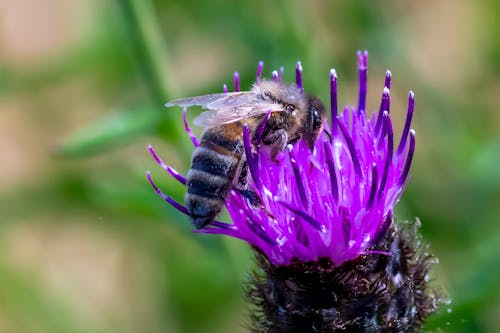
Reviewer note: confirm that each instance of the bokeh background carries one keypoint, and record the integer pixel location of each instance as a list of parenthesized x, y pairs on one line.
[(86, 245)]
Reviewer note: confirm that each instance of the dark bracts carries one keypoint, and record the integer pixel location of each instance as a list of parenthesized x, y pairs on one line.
[(373, 293)]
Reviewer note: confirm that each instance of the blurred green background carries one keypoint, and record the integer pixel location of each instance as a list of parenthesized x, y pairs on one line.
[(86, 245)]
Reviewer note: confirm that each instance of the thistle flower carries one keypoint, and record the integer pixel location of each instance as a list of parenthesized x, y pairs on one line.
[(330, 256)]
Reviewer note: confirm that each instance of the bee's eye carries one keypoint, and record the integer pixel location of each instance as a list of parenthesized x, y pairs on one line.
[(317, 121), (289, 108)]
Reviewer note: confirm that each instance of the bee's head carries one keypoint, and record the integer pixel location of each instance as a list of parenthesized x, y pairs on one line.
[(313, 125)]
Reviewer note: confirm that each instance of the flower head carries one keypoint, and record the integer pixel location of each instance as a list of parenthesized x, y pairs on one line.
[(336, 201)]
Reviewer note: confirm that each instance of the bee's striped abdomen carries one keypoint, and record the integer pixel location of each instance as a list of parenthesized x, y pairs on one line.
[(212, 172)]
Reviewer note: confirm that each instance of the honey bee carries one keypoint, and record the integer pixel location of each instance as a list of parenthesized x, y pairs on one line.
[(219, 163)]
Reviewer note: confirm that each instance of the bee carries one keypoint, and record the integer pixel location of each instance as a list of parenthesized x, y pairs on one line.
[(219, 162)]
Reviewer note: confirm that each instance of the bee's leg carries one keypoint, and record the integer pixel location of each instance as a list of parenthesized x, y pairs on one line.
[(240, 176), (254, 200), (293, 140), (251, 196), (277, 142), (243, 175), (241, 185), (244, 189)]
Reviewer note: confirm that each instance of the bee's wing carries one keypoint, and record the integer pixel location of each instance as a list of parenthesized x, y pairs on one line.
[(202, 101), (214, 118), (228, 107)]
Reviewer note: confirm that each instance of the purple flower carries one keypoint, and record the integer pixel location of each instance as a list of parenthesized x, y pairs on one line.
[(330, 257), (334, 202)]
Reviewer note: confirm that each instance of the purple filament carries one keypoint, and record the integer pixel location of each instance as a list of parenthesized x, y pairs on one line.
[(165, 197), (180, 207), (298, 180), (228, 232), (409, 157), (259, 230), (345, 224), (236, 79), (352, 149), (250, 158), (259, 132), (331, 170), (222, 225), (260, 67), (298, 76), (333, 100), (384, 106), (275, 75), (301, 214), (373, 189), (388, 157), (409, 116), (191, 135), (363, 73), (280, 73), (382, 228), (224, 88), (169, 169), (383, 130), (388, 78)]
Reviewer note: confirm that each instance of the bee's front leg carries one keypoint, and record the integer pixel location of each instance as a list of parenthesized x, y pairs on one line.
[(241, 184), (277, 141)]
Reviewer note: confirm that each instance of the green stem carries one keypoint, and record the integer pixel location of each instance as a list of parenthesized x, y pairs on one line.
[(152, 55), (148, 45)]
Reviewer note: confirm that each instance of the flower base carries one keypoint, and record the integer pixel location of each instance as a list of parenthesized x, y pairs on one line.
[(385, 290)]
